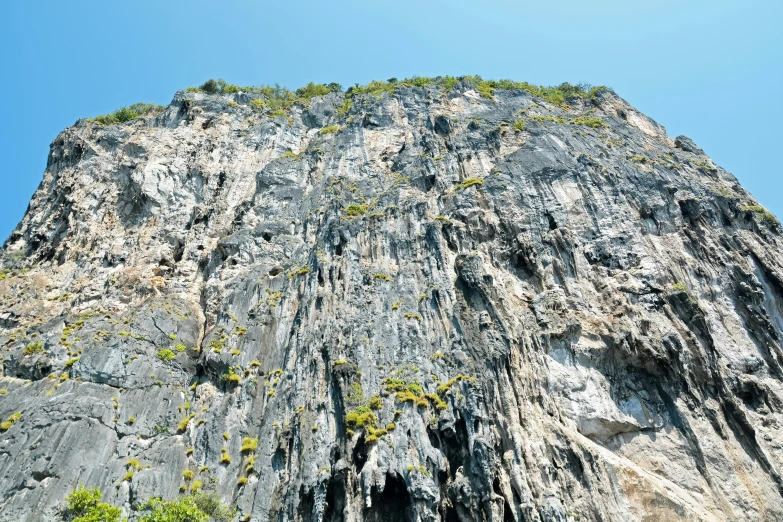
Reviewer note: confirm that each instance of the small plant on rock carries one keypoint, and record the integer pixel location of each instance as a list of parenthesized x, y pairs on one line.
[(33, 348), (166, 355), (249, 445)]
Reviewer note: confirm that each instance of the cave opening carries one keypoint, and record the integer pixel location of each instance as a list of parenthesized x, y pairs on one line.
[(390, 505), (335, 501)]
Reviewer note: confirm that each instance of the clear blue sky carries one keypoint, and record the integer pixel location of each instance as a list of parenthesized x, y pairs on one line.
[(712, 70)]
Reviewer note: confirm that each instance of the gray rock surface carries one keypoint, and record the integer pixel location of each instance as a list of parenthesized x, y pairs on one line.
[(592, 332)]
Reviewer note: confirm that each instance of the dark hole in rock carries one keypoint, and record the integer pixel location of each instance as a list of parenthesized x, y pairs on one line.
[(179, 251), (434, 440), (507, 515), (335, 501), (306, 504), (267, 236), (279, 459), (276, 271), (451, 515), (359, 455), (456, 450), (390, 505)]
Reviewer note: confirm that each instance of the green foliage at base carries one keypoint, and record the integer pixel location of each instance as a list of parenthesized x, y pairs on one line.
[(85, 506), (191, 508)]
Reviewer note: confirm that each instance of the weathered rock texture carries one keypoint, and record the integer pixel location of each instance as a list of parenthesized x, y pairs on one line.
[(602, 316)]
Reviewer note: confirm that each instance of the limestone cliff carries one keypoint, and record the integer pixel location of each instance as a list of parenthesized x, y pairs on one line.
[(426, 303)]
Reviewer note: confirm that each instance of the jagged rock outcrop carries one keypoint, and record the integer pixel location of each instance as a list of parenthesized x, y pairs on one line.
[(431, 312)]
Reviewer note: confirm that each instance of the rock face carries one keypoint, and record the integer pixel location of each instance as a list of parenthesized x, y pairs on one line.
[(430, 312)]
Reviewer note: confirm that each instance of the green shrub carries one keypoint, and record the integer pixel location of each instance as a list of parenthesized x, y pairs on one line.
[(405, 396), (166, 355), (593, 123), (679, 287), (519, 126), (85, 505), (763, 214), (375, 403), (124, 114), (210, 87), (210, 505), (331, 129), (558, 95), (316, 89), (231, 377), (345, 108), (361, 418), (548, 117), (33, 348), (468, 183), (216, 87), (447, 386), (183, 424), (12, 419), (184, 509), (249, 445), (300, 271), (70, 362), (436, 401), (354, 210), (382, 276)]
